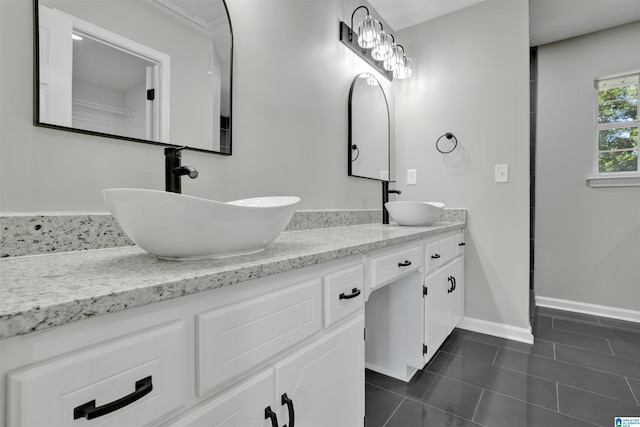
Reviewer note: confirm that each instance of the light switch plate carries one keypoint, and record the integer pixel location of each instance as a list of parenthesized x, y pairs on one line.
[(412, 178), (502, 173)]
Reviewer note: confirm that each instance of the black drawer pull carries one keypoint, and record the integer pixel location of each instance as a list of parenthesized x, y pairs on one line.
[(354, 293), (436, 256), (269, 414), (450, 279), (89, 410), (462, 244), (292, 411), (404, 264)]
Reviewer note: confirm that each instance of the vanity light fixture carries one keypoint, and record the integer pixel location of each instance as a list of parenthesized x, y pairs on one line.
[(376, 47)]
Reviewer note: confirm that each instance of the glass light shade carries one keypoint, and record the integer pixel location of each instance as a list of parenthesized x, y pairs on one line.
[(367, 32), (395, 59), (382, 48), (404, 71)]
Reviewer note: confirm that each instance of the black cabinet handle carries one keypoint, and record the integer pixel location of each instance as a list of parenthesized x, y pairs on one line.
[(450, 279), (436, 256), (292, 412), (269, 414), (404, 264), (89, 410), (354, 293), (462, 244), (454, 283)]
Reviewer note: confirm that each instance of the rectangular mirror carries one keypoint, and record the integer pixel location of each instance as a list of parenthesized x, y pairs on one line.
[(153, 71)]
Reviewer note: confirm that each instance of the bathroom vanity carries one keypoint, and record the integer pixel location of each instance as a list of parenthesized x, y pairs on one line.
[(116, 337)]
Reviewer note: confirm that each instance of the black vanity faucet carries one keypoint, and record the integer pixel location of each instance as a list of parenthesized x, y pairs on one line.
[(385, 199), (173, 171)]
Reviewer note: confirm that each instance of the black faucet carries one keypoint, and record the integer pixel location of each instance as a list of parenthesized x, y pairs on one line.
[(385, 199), (173, 171)]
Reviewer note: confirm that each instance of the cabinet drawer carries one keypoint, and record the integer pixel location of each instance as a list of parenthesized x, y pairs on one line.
[(233, 339), (390, 264), (343, 293), (448, 248), (129, 381)]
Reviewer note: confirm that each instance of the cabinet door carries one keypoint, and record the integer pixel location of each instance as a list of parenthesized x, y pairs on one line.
[(244, 405), (325, 380), (456, 297), (436, 311)]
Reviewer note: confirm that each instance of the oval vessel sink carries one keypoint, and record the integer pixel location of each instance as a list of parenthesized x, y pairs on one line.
[(414, 213), (176, 226)]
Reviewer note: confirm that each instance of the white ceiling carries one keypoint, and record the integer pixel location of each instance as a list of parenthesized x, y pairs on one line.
[(549, 20), (553, 20)]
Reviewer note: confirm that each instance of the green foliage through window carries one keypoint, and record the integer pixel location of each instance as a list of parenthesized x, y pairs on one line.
[(617, 129)]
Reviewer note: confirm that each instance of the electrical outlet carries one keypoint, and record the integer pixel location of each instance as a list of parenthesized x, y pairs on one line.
[(412, 178), (502, 173)]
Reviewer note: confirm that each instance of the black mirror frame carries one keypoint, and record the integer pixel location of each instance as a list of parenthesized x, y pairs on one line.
[(350, 148), (36, 95)]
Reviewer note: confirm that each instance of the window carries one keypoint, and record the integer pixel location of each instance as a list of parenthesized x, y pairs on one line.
[(617, 126)]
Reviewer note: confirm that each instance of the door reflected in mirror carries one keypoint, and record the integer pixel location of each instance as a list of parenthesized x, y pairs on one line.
[(369, 140), (156, 71)]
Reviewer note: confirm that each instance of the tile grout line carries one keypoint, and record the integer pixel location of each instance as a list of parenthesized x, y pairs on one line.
[(558, 397), (477, 406), (632, 393), (495, 356), (394, 412), (611, 348), (549, 380)]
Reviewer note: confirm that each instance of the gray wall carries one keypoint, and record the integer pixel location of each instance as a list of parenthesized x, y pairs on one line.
[(471, 78), (587, 239), (291, 85)]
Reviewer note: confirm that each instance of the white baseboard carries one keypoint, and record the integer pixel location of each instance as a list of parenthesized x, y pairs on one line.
[(592, 309), (497, 329)]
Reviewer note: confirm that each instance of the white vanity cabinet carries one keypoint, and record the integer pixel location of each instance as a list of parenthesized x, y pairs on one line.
[(443, 290), (409, 317), (320, 385), (224, 357)]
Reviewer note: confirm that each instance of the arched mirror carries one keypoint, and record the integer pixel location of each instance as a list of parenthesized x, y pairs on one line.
[(153, 71), (368, 129)]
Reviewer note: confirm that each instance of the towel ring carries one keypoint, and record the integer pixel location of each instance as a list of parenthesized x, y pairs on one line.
[(448, 135)]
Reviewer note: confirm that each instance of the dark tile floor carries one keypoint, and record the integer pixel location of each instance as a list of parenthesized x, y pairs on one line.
[(581, 371)]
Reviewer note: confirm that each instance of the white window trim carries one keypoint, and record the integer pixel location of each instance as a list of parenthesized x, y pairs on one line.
[(612, 179)]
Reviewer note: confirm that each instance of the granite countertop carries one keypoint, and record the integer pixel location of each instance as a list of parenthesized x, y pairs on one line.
[(38, 292)]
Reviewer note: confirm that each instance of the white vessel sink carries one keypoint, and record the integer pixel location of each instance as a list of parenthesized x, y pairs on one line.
[(175, 226), (414, 213)]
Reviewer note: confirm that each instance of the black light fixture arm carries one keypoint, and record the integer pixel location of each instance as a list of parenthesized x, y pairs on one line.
[(354, 14)]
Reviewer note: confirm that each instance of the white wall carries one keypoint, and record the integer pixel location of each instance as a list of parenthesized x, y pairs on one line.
[(471, 78), (587, 239), (291, 82)]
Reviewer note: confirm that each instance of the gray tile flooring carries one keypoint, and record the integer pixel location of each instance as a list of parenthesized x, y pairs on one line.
[(581, 371)]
